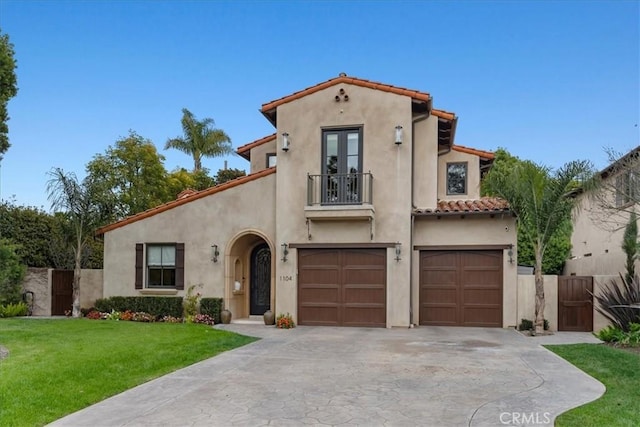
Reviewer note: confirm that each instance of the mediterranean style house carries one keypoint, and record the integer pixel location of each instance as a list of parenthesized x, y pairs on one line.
[(599, 223), (359, 210)]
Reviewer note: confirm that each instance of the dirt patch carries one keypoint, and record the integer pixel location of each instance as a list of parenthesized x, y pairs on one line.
[(4, 352)]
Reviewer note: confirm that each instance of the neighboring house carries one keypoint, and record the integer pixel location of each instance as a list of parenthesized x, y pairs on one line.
[(600, 220), (372, 217)]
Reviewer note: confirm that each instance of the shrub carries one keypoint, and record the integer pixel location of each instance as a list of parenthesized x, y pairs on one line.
[(13, 310), (615, 335), (156, 306), (212, 307), (126, 315), (190, 302), (141, 316), (11, 274), (171, 319), (285, 321), (94, 315), (527, 325), (620, 304), (203, 318)]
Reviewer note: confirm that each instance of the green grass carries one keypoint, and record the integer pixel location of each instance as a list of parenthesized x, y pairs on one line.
[(619, 371), (56, 367)]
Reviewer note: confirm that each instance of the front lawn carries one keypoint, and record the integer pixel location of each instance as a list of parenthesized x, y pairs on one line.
[(619, 371), (56, 367)]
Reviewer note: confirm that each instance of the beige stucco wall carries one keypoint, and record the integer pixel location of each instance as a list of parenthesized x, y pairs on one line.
[(219, 219), (473, 175), (480, 230), (599, 283), (38, 281), (259, 155), (527, 299), (425, 168), (378, 113), (596, 239), (91, 286)]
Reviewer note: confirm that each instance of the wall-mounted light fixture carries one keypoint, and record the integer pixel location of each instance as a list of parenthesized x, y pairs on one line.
[(510, 253), (285, 141), (398, 251), (398, 135), (285, 252), (214, 253)]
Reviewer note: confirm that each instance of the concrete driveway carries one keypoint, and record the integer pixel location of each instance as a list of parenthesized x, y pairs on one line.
[(428, 376)]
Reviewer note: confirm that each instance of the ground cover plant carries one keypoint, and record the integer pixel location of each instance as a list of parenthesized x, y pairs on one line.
[(619, 371), (56, 367)]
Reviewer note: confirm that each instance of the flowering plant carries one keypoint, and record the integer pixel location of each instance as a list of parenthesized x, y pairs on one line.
[(285, 321), (203, 318)]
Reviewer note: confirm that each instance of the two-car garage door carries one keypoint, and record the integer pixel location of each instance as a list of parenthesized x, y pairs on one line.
[(342, 287), (461, 288)]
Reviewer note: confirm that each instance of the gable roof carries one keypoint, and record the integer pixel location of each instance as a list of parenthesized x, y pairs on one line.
[(245, 149), (484, 205), (186, 198)]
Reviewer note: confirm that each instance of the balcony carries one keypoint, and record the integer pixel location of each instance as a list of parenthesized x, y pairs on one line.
[(346, 196)]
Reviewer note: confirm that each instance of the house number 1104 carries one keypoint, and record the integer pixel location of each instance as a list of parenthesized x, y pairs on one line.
[(286, 278)]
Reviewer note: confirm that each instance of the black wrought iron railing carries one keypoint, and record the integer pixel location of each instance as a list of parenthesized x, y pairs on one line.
[(340, 189)]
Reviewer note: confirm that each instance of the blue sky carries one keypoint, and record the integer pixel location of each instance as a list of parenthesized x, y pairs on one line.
[(549, 81)]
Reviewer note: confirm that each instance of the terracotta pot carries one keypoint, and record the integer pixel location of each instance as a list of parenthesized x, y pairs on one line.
[(225, 316), (269, 318)]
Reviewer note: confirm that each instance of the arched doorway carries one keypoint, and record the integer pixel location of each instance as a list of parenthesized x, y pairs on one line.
[(260, 280)]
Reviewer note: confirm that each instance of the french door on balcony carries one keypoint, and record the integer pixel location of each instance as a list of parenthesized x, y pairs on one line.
[(342, 166)]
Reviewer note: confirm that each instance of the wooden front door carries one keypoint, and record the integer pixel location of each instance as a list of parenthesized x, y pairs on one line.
[(575, 303), (61, 291), (260, 284)]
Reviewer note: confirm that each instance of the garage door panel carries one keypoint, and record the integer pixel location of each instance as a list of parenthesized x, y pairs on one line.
[(473, 293), (358, 282)]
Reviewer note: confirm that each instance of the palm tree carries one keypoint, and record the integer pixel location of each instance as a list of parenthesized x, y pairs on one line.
[(542, 201), (200, 139), (78, 202)]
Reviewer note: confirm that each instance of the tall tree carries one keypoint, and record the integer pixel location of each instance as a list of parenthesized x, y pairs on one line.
[(225, 175), (542, 200), (85, 211), (132, 174), (630, 246), (200, 139), (559, 246), (8, 88)]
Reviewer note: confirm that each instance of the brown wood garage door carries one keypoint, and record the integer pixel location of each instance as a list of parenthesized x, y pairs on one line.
[(461, 288), (342, 287)]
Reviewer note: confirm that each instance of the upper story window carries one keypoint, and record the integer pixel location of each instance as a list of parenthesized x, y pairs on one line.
[(161, 266), (342, 166), (627, 188), (457, 178), (271, 160)]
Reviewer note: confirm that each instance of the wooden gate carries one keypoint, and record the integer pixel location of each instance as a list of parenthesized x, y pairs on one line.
[(575, 303), (61, 291)]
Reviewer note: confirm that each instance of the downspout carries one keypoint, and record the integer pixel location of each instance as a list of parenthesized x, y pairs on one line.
[(413, 206)]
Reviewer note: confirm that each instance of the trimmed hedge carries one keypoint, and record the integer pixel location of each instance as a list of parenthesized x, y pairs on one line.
[(156, 306), (212, 307)]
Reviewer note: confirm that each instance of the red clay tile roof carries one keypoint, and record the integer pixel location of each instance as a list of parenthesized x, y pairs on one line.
[(481, 153), (181, 201), (244, 150), (422, 96), (443, 114), (484, 205)]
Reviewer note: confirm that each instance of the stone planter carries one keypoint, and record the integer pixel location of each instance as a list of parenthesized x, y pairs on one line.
[(225, 316), (269, 318)]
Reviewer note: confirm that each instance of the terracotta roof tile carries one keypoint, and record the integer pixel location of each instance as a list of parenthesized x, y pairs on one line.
[(423, 96), (484, 205), (244, 149), (186, 199), (481, 153), (443, 114)]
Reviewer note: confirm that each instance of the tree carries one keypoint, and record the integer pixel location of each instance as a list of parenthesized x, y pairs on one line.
[(180, 179), (630, 246), (8, 88), (12, 272), (132, 174), (85, 212), (559, 246), (225, 175), (200, 139), (542, 200)]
